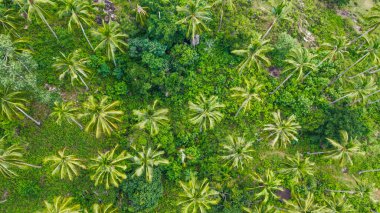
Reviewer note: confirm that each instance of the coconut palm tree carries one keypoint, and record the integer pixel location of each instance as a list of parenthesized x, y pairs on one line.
[(146, 160), (280, 13), (345, 149), (109, 168), (335, 50), (196, 13), (360, 188), (282, 131), (33, 8), (61, 205), (255, 54), (204, 111), (66, 166), (267, 185), (264, 208), (11, 158), (101, 115), (151, 118), (298, 167), (79, 13), (197, 196), (65, 111), (224, 5), (12, 104), (338, 203), (299, 60), (111, 39), (237, 151), (303, 205), (373, 19), (73, 65), (372, 52), (8, 21), (359, 90), (141, 14), (247, 94), (103, 208)]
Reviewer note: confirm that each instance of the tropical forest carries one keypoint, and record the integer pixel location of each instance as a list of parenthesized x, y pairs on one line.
[(189, 106)]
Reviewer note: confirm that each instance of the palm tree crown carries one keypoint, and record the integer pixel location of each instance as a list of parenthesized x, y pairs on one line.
[(269, 184), (305, 205), (146, 160), (204, 111), (65, 165), (61, 205), (111, 39), (109, 168), (197, 196), (237, 151), (195, 15), (298, 167), (345, 150), (65, 111), (151, 118), (74, 66), (282, 131), (101, 115), (255, 54), (247, 94)]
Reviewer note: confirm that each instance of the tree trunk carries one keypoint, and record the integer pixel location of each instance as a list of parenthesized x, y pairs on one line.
[(51, 29), (315, 153), (242, 105), (270, 28), (371, 170), (373, 102), (367, 70), (342, 73), (84, 33), (343, 97), (363, 34), (278, 87), (341, 191), (221, 19), (28, 116), (77, 123), (81, 79)]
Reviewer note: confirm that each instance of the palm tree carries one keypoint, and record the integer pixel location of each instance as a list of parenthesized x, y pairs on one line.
[(34, 8), (282, 131), (151, 118), (299, 60), (302, 205), (109, 168), (298, 167), (197, 196), (359, 91), (65, 165), (247, 94), (7, 20), (237, 151), (146, 160), (141, 14), (103, 208), (205, 112), (195, 15), (11, 158), (111, 39), (372, 51), (374, 18), (268, 185), (61, 205), (264, 208), (255, 54), (279, 12), (65, 111), (12, 104), (102, 116), (79, 13), (345, 150), (360, 188), (224, 5), (338, 203), (335, 51), (73, 65)]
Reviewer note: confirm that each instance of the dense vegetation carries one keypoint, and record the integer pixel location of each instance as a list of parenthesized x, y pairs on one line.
[(189, 106)]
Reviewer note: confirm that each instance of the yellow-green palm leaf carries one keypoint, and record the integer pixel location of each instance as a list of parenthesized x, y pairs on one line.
[(61, 205), (65, 112), (151, 118), (237, 151), (267, 185), (246, 95)]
